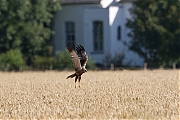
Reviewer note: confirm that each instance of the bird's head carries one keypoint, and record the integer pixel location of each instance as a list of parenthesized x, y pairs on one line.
[(84, 70)]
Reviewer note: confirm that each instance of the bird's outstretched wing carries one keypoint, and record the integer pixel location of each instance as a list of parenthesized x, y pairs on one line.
[(74, 57), (82, 55)]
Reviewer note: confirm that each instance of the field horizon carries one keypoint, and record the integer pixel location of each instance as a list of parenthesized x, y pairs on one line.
[(124, 94)]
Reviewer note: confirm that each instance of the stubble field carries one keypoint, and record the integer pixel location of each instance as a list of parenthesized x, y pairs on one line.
[(103, 95)]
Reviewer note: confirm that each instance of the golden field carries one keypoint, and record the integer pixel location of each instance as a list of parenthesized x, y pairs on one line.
[(150, 94)]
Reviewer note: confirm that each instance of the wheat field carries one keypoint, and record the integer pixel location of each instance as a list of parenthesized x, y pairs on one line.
[(150, 94)]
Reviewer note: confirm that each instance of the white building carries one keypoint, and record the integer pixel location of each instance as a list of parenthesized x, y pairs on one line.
[(98, 25)]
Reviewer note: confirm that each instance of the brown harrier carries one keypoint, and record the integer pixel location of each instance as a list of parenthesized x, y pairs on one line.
[(79, 61)]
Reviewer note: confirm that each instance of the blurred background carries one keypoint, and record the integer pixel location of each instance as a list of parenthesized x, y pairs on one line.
[(128, 34)]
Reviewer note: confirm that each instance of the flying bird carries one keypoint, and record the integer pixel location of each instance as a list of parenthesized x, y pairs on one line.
[(79, 61)]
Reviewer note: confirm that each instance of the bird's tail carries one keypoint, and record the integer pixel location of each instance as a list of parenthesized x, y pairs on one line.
[(71, 76)]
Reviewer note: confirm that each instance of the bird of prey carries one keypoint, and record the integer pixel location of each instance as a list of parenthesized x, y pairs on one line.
[(79, 61)]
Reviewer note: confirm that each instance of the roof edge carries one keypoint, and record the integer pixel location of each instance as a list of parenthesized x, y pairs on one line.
[(126, 1), (70, 2)]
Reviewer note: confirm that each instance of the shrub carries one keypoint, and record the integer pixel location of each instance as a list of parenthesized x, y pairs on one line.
[(107, 60), (117, 59), (63, 60), (12, 60), (91, 64), (43, 62)]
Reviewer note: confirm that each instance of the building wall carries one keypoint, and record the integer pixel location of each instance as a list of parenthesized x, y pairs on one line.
[(90, 15), (83, 16), (121, 13), (73, 13)]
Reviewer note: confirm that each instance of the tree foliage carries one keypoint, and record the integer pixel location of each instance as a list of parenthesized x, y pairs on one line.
[(155, 30), (12, 60), (25, 25)]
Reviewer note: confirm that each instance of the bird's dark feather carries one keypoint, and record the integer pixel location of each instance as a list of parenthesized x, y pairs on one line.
[(74, 57), (82, 55)]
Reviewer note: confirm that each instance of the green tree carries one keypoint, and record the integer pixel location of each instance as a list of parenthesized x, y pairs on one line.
[(155, 30), (25, 25), (12, 60)]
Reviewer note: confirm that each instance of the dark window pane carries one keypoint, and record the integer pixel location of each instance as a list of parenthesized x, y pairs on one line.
[(98, 35), (119, 33), (70, 33)]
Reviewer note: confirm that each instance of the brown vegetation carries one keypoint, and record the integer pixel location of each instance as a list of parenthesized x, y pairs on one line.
[(103, 94)]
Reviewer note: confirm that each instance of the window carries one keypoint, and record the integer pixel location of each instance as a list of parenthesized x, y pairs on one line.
[(98, 36), (70, 33), (119, 33)]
